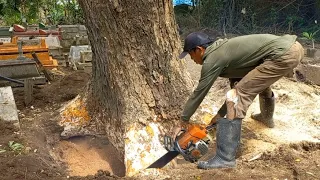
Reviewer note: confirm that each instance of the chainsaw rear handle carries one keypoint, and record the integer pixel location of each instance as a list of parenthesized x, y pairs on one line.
[(208, 128), (182, 152)]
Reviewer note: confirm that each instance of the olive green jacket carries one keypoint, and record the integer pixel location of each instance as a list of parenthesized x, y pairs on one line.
[(234, 58)]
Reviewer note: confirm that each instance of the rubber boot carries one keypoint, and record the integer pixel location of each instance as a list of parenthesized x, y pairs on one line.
[(266, 111), (228, 140)]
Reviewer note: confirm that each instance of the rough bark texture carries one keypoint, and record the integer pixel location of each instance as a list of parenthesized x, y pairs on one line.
[(137, 77)]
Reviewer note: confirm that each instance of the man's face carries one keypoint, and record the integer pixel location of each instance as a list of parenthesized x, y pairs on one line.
[(197, 54)]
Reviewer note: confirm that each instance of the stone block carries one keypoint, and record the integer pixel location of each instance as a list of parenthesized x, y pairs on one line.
[(308, 73), (85, 56), (29, 42), (74, 54), (55, 51), (311, 52), (73, 30), (8, 108), (82, 28), (68, 26), (66, 35), (82, 66), (73, 35), (5, 40), (66, 44), (84, 40), (52, 41), (317, 56), (83, 33)]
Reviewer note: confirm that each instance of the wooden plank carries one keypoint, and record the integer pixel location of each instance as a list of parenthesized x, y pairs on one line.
[(42, 69), (28, 91)]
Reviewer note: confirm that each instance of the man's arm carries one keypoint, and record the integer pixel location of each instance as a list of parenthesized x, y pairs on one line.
[(209, 74)]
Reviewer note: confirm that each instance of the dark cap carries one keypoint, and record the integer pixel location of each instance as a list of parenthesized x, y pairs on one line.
[(193, 40)]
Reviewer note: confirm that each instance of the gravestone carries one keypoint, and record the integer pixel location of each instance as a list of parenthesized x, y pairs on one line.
[(74, 55), (8, 108)]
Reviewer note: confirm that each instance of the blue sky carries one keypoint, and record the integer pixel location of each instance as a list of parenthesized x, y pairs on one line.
[(177, 2)]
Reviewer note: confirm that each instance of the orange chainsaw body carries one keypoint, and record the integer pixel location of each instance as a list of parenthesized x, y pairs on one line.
[(190, 143), (193, 134)]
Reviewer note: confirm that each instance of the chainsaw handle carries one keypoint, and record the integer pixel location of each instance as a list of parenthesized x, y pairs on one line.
[(208, 128), (169, 144), (179, 134)]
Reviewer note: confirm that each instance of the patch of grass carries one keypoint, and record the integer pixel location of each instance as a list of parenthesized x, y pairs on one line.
[(2, 151), (16, 147)]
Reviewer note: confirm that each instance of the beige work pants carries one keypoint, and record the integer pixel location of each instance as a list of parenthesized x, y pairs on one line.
[(263, 76)]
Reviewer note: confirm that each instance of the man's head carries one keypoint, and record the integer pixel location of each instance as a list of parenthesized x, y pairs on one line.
[(195, 45)]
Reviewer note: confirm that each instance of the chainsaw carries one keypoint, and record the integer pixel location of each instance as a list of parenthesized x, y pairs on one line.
[(190, 143)]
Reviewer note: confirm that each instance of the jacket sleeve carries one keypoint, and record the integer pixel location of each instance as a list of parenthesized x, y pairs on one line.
[(209, 73)]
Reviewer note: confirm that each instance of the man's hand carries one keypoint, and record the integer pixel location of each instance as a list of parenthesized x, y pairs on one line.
[(214, 119), (177, 130)]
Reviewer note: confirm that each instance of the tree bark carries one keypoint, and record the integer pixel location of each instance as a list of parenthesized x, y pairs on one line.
[(136, 75)]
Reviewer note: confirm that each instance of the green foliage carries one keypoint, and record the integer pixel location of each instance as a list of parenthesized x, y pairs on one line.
[(310, 36), (10, 12), (209, 12), (74, 12), (63, 11), (2, 151), (16, 147), (294, 21), (205, 13), (31, 11), (251, 16), (35, 11)]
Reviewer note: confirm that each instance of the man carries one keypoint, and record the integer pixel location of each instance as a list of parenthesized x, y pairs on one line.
[(252, 63)]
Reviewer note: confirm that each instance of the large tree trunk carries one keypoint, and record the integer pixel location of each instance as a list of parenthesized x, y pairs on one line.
[(138, 84)]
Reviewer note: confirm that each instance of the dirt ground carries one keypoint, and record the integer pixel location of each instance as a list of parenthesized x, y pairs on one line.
[(289, 151)]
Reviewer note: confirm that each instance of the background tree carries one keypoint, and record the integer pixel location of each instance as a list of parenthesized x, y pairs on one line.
[(10, 12)]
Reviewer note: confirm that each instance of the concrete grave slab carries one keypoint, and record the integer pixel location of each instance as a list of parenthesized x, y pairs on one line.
[(308, 72), (52, 41), (54, 46), (5, 40), (317, 56), (82, 28), (8, 108), (85, 56), (74, 54)]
